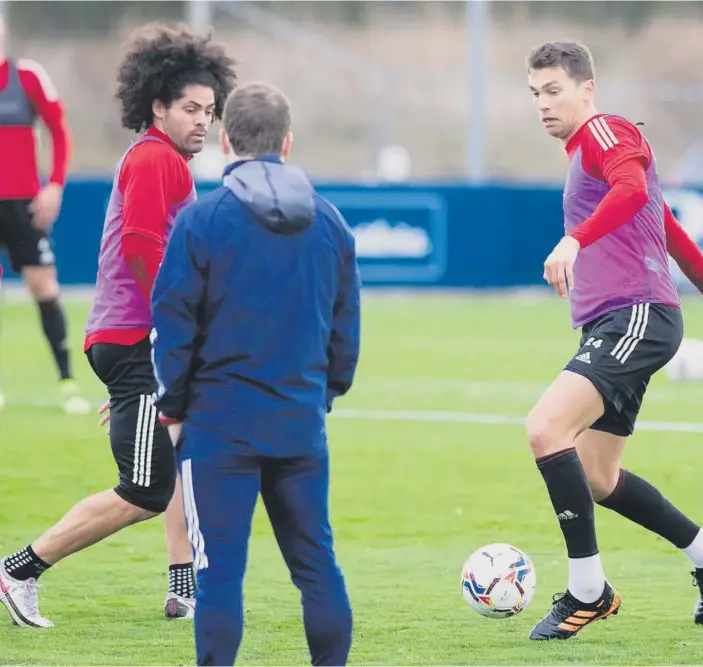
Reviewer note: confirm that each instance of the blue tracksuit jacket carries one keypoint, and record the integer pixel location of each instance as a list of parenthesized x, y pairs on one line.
[(256, 312)]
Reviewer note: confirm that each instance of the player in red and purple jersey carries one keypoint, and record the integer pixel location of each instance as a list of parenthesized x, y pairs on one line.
[(28, 210), (172, 83), (613, 266)]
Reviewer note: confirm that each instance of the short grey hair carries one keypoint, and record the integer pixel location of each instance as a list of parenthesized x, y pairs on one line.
[(257, 118)]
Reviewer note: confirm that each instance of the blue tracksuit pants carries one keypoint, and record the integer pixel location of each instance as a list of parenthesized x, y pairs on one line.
[(220, 491)]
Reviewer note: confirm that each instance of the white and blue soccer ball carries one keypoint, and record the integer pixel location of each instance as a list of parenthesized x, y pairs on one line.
[(498, 580)]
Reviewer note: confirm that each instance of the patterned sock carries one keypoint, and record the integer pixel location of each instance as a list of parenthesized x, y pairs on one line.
[(181, 580), (25, 564)]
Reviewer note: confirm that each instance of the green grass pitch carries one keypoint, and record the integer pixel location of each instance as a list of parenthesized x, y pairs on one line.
[(418, 483)]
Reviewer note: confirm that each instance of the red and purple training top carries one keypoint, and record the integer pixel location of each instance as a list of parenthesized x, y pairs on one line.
[(613, 206), (152, 183)]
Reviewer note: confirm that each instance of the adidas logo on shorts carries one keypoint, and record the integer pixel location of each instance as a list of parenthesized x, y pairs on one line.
[(585, 357)]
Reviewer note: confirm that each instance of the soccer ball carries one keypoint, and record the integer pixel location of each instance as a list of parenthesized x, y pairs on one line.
[(498, 581)]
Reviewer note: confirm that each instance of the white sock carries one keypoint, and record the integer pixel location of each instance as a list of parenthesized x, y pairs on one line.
[(695, 550), (586, 578)]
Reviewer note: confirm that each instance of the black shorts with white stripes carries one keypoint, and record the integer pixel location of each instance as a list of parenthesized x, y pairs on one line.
[(619, 353), (141, 446)]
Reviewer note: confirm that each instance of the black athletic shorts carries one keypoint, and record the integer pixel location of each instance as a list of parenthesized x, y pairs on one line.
[(140, 444), (27, 245), (619, 353)]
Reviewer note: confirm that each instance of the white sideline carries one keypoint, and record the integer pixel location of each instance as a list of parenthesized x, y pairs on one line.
[(430, 416), (683, 393), (495, 420)]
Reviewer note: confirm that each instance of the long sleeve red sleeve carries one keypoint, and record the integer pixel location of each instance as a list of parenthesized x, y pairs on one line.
[(143, 256), (45, 99), (683, 249), (613, 150), (627, 196), (152, 179)]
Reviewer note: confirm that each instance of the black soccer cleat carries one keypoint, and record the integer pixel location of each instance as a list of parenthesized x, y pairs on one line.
[(698, 581), (569, 615)]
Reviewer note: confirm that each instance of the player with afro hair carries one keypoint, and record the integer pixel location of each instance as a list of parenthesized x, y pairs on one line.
[(172, 84)]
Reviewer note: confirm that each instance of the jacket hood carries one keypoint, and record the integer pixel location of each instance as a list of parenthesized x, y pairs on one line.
[(280, 197)]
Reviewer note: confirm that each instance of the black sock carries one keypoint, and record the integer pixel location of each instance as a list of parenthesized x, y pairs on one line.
[(181, 580), (572, 501), (637, 500), (54, 324), (25, 564)]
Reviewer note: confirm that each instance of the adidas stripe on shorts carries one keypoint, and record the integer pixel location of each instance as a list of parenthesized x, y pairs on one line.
[(620, 351), (140, 445)]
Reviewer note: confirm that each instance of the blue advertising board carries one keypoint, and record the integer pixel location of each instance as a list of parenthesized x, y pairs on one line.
[(424, 235), (401, 237)]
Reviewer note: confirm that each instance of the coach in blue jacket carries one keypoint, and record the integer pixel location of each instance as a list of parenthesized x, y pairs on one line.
[(256, 332)]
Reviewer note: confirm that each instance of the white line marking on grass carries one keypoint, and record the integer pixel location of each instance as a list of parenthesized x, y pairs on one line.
[(41, 402), (423, 416), (495, 420), (678, 394), (427, 416)]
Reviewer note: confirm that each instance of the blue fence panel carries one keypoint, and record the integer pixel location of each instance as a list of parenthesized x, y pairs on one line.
[(411, 235)]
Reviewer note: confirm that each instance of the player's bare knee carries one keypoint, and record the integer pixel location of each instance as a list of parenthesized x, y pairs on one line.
[(545, 434), (542, 441)]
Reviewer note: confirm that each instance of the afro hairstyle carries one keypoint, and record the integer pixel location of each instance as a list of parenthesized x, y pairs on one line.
[(160, 62)]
